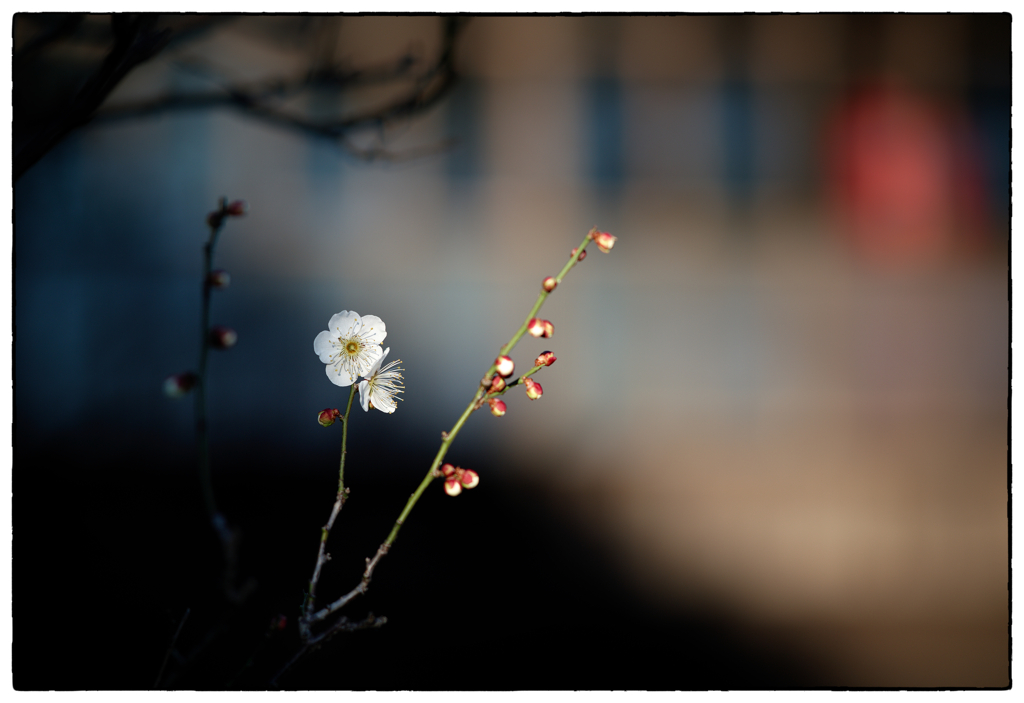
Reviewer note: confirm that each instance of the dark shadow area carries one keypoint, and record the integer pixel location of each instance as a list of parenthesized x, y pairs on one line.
[(489, 590)]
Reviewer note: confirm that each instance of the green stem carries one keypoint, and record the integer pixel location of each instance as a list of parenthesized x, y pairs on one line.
[(480, 393), (344, 442)]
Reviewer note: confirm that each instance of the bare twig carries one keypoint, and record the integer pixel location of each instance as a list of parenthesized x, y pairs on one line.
[(170, 648), (256, 99), (343, 625), (135, 41), (363, 587)]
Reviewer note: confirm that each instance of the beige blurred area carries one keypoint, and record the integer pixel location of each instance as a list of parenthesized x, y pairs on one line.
[(762, 424), (759, 410)]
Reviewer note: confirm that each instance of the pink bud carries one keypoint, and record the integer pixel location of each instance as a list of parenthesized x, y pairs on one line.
[(218, 279), (545, 359), (535, 327), (504, 366), (179, 384), (469, 479), (279, 623), (452, 487), (603, 240), (447, 469), (498, 407), (549, 329), (237, 208), (550, 284), (497, 385), (327, 416), (533, 389), (582, 256), (222, 337)]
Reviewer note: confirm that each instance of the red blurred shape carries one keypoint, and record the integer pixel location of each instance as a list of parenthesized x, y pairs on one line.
[(904, 176)]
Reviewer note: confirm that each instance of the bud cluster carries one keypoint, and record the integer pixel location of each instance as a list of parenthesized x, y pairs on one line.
[(540, 328), (457, 478)]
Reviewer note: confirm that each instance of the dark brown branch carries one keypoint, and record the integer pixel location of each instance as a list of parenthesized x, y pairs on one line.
[(256, 99), (135, 40)]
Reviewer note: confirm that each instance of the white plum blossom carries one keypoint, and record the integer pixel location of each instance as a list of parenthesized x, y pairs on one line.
[(350, 346), (380, 386)]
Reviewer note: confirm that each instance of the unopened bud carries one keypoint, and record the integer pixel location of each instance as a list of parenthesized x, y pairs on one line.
[(215, 219), (582, 255), (469, 479), (497, 385), (550, 284), (447, 469), (327, 416), (218, 279), (603, 240), (222, 337), (498, 407), (545, 359), (452, 487), (278, 623), (180, 383), (504, 366), (535, 327), (549, 329), (533, 389), (237, 208)]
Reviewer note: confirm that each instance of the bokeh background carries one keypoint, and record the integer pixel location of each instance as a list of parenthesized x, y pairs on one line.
[(773, 450)]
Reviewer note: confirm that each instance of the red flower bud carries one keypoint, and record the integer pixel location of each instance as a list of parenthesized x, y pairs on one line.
[(545, 359), (447, 469), (279, 623), (452, 487), (535, 327), (603, 240), (222, 337), (549, 284), (469, 479), (218, 279), (533, 389), (582, 256), (327, 416), (504, 366), (237, 208), (549, 329), (498, 407), (497, 385), (179, 384), (215, 219)]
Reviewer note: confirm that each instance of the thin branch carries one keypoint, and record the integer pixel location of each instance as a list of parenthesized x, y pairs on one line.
[(343, 625), (254, 99), (170, 647), (325, 531)]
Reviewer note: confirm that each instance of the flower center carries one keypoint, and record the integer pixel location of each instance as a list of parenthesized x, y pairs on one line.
[(352, 347)]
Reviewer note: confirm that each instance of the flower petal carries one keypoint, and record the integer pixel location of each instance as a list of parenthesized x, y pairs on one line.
[(364, 395), (383, 402), (323, 347), (376, 365), (345, 324), (339, 376), (373, 331)]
